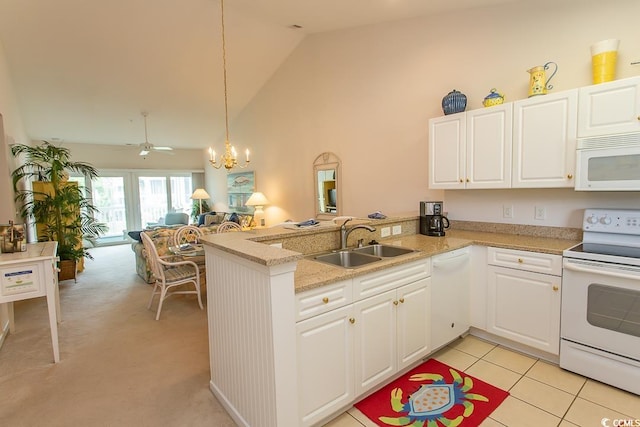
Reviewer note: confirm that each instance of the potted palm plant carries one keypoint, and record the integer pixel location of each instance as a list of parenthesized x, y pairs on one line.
[(59, 208)]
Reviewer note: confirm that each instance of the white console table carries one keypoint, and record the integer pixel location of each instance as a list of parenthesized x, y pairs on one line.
[(32, 274)]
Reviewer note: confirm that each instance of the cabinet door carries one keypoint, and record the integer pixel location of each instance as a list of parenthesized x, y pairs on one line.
[(544, 141), (447, 140), (375, 340), (609, 108), (413, 322), (489, 135), (450, 287), (524, 307), (325, 364)]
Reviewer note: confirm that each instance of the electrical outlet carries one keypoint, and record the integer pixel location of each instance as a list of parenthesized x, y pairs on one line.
[(397, 229), (507, 211), (385, 232), (540, 213), (276, 245)]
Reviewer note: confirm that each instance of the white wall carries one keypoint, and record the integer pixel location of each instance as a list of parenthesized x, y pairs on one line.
[(11, 129), (367, 94)]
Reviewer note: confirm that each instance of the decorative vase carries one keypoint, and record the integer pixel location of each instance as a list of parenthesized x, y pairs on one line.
[(454, 102), (494, 98)]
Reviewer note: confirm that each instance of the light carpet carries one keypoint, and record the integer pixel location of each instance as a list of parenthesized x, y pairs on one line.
[(119, 366)]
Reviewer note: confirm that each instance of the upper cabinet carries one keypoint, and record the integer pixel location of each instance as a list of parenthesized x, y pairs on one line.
[(472, 149), (447, 146), (544, 141), (609, 108)]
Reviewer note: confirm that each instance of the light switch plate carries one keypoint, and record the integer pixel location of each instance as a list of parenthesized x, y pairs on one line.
[(385, 232)]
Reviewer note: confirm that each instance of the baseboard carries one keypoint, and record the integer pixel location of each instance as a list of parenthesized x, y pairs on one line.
[(231, 410), (534, 352)]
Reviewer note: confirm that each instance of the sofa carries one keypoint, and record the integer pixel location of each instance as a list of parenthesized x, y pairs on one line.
[(162, 237)]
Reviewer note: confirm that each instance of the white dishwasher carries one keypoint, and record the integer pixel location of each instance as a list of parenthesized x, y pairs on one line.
[(450, 288)]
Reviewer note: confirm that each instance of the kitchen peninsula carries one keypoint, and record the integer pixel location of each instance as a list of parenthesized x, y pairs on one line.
[(255, 280)]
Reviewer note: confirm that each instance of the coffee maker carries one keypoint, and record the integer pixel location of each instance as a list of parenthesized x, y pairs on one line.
[(432, 220)]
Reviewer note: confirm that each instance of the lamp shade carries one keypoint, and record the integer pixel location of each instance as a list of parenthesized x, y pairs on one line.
[(200, 194), (257, 199)]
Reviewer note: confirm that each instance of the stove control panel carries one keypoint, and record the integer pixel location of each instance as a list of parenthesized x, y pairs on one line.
[(621, 221)]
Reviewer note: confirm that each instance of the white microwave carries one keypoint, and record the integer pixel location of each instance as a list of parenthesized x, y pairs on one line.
[(608, 163)]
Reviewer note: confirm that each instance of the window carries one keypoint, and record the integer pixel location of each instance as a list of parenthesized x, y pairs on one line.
[(133, 200)]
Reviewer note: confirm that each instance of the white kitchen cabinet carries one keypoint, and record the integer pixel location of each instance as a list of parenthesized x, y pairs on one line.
[(609, 108), (544, 141), (325, 364), (488, 148), (375, 340), (523, 304), (450, 290), (472, 149), (447, 151), (344, 352), (413, 322), (391, 332)]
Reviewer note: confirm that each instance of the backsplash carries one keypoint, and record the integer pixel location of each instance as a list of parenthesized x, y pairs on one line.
[(565, 233)]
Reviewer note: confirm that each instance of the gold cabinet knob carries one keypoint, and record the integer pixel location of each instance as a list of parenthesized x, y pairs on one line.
[(325, 300), (467, 180), (395, 303), (401, 300), (638, 117), (520, 260), (570, 176), (352, 320), (555, 288), (461, 180)]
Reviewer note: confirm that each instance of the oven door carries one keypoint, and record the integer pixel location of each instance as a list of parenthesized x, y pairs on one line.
[(601, 306), (608, 169)]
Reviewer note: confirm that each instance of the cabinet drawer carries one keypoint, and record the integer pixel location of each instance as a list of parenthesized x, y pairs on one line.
[(321, 300), (525, 260), (391, 278)]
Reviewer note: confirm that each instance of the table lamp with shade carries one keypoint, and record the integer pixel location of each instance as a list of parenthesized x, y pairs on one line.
[(200, 194), (258, 201)]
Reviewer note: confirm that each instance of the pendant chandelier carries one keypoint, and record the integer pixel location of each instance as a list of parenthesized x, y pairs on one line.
[(229, 159)]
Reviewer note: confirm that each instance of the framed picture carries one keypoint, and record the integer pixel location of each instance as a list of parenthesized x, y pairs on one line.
[(240, 186), (12, 238)]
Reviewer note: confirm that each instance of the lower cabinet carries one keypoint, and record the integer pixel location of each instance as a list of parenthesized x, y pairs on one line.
[(523, 304), (349, 350), (391, 332), (325, 364)]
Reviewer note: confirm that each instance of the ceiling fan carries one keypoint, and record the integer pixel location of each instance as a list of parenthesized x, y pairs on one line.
[(147, 147)]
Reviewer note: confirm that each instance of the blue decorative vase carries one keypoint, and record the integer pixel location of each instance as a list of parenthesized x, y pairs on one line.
[(454, 102)]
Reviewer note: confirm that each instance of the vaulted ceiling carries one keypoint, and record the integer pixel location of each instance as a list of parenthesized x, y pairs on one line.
[(84, 70)]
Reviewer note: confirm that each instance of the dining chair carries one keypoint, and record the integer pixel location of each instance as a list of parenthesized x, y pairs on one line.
[(187, 234), (228, 226), (169, 274)]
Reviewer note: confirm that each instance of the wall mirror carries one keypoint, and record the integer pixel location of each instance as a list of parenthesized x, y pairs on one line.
[(326, 176)]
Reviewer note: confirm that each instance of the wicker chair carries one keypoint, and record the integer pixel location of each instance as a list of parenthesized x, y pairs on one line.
[(169, 274), (228, 226)]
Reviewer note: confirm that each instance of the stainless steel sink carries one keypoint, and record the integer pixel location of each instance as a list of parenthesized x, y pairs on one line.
[(384, 251), (347, 259)]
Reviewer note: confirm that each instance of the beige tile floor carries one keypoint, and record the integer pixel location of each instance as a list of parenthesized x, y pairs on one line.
[(541, 394)]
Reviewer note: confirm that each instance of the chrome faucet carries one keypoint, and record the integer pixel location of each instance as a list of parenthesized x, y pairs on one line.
[(344, 232)]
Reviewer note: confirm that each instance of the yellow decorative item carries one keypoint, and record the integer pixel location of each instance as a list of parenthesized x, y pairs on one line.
[(538, 83), (604, 55), (494, 98)]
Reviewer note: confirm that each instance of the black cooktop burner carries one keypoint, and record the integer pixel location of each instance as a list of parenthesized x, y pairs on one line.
[(614, 250)]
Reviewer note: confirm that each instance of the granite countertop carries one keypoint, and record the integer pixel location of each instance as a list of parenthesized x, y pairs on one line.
[(312, 274)]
